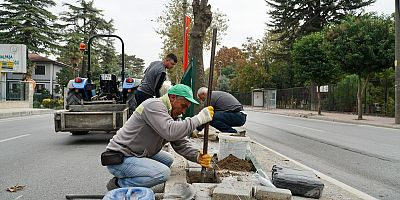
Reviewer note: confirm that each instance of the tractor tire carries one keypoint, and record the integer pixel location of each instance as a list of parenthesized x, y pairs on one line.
[(79, 132), (73, 98), (131, 102)]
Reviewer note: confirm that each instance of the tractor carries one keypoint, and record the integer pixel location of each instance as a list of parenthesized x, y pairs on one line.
[(104, 109)]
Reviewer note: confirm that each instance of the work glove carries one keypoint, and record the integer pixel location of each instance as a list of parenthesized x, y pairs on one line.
[(195, 133), (204, 160), (205, 115)]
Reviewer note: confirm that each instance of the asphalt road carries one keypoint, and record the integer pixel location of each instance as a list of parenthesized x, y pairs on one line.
[(50, 164), (364, 157)]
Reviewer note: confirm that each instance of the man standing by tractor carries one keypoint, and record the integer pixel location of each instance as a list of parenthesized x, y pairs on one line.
[(135, 156), (154, 77)]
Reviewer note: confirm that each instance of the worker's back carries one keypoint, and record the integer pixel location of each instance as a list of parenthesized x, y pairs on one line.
[(223, 101), (151, 77)]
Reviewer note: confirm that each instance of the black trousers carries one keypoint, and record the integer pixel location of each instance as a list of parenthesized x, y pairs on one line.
[(141, 96)]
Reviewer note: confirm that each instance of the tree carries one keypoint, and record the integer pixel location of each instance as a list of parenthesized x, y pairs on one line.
[(293, 19), (297, 18), (202, 20), (81, 22), (227, 57), (70, 53), (29, 23), (170, 30), (253, 73), (64, 75), (248, 77), (133, 66), (312, 64), (362, 45), (278, 67)]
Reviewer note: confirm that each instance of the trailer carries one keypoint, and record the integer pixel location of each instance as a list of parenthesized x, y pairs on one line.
[(80, 119)]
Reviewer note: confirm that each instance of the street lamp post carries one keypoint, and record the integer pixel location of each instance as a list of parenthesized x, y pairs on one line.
[(397, 57)]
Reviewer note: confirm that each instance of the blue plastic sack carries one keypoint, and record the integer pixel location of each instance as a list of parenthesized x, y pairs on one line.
[(130, 193)]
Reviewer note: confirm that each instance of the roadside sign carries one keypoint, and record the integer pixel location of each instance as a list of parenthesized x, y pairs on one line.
[(13, 58)]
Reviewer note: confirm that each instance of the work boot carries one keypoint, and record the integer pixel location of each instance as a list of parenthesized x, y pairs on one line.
[(112, 184)]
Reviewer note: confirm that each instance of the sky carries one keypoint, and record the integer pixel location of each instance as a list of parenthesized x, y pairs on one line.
[(134, 21)]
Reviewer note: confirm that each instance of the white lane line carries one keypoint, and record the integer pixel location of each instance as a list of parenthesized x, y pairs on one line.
[(307, 128), (342, 185), (14, 138)]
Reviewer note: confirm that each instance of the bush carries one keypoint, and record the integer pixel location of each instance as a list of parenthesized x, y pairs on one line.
[(53, 103), (36, 104), (46, 103), (45, 94)]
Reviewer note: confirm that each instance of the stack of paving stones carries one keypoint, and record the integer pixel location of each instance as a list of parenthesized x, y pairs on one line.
[(239, 185)]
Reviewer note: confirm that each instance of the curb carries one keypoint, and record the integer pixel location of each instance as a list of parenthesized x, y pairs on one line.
[(340, 184), (26, 113)]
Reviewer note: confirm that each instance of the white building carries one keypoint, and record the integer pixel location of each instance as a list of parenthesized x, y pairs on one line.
[(44, 74)]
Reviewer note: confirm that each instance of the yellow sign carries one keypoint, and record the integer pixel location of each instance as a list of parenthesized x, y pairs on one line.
[(10, 64), (7, 64)]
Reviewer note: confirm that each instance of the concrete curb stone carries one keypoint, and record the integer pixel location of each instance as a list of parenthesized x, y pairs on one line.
[(9, 113)]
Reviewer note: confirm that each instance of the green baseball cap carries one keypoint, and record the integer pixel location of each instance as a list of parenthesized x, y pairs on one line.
[(183, 91)]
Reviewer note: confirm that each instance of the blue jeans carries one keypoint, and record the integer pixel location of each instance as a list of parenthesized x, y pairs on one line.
[(224, 121), (143, 172)]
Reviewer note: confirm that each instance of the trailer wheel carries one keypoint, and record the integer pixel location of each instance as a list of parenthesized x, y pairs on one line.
[(73, 98), (79, 132), (131, 102)]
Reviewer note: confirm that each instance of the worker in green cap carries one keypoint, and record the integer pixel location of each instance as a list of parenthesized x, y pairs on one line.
[(139, 160)]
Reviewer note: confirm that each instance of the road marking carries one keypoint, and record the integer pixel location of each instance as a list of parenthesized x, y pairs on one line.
[(307, 128), (19, 197), (344, 186), (14, 138)]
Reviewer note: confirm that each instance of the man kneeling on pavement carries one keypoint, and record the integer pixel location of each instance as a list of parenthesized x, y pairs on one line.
[(153, 124), (228, 110)]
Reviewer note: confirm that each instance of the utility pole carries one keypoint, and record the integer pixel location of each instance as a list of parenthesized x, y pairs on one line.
[(397, 57)]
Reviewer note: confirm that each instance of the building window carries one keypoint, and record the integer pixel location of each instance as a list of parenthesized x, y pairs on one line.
[(40, 70), (40, 88)]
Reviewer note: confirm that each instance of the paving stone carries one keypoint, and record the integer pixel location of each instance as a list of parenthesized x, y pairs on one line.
[(269, 193), (225, 191), (204, 190)]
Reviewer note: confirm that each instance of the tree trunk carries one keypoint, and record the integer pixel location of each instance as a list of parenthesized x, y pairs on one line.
[(359, 98), (202, 20), (360, 95), (319, 99)]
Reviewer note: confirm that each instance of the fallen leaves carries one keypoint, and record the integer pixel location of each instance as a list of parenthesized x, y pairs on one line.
[(16, 188)]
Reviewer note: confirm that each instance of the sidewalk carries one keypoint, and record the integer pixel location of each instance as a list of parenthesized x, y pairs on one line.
[(387, 122), (20, 112)]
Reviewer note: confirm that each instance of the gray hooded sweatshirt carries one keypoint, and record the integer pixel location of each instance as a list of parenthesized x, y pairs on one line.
[(150, 127)]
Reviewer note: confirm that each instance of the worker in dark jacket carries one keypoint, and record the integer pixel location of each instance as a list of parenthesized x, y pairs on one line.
[(228, 110), (154, 77), (153, 124)]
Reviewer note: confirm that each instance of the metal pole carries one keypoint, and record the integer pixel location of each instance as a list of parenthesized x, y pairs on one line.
[(210, 80), (84, 70), (397, 57), (184, 6)]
